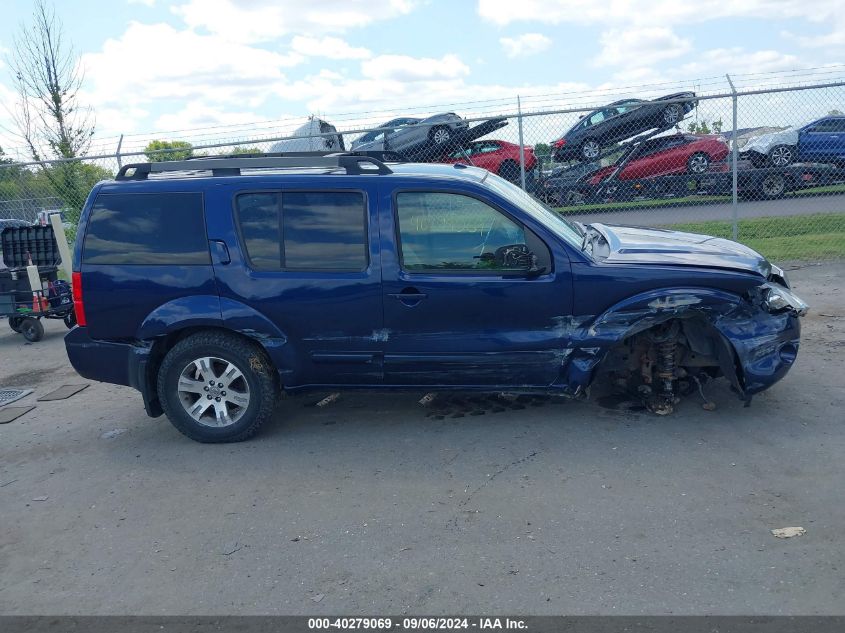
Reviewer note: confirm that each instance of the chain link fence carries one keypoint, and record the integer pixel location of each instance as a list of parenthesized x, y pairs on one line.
[(764, 165)]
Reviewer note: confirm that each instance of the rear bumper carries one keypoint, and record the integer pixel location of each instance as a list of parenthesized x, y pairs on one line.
[(115, 363)]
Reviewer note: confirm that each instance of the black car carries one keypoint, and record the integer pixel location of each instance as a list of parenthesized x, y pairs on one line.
[(618, 121), (558, 188)]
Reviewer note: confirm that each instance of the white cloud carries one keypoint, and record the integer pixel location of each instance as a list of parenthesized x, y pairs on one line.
[(649, 12), (410, 69), (738, 60), (198, 114), (640, 46), (331, 47), (525, 45), (137, 69), (260, 20)]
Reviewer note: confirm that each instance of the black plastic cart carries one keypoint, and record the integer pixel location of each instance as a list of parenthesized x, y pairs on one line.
[(23, 306)]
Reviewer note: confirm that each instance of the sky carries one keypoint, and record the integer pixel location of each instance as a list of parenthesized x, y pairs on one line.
[(204, 69)]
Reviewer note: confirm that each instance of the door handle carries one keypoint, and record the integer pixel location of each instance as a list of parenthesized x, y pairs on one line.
[(221, 251), (409, 296)]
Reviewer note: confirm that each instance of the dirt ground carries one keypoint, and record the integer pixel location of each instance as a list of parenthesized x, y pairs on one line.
[(372, 505)]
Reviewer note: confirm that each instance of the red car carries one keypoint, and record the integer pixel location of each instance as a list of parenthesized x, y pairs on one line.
[(500, 157), (669, 155)]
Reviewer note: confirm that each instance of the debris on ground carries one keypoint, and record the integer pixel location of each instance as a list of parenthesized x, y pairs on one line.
[(10, 414), (427, 399), (231, 547), (44, 498), (788, 532), (113, 433), (63, 393), (328, 399), (318, 597)]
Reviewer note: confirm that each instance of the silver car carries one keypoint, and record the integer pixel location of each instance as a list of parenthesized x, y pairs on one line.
[(413, 136)]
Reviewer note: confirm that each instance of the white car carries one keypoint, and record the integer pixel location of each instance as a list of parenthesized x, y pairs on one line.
[(778, 149)]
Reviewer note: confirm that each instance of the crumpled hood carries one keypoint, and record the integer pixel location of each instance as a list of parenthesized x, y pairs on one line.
[(639, 245), (765, 142)]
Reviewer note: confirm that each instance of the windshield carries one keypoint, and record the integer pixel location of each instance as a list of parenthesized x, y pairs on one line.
[(536, 209)]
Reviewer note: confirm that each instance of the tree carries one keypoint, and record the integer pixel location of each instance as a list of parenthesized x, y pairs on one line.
[(701, 127), (48, 115), (835, 112), (246, 150), (542, 149), (159, 151)]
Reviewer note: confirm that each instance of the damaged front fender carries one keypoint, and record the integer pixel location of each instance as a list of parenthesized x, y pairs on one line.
[(752, 347)]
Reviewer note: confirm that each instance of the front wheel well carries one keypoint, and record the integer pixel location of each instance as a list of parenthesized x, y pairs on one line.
[(651, 360)]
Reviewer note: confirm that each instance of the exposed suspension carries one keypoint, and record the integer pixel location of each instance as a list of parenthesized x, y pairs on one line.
[(665, 340)]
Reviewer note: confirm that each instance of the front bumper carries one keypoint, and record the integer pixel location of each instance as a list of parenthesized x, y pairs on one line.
[(766, 347), (112, 362)]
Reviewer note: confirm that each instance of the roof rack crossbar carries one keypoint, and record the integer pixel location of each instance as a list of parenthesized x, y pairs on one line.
[(354, 164)]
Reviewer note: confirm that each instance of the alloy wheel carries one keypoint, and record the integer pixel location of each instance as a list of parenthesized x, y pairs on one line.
[(781, 156), (441, 135), (590, 149), (213, 391)]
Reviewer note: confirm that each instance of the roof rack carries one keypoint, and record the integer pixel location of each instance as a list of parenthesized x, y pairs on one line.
[(355, 163)]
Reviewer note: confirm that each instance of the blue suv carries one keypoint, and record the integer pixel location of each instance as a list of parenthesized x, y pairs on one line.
[(213, 285)]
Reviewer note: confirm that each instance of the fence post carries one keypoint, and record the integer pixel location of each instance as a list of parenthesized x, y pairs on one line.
[(734, 157), (117, 153), (521, 144)]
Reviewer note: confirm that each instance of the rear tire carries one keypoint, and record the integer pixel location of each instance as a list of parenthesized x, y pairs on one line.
[(672, 114), (773, 186), (32, 329), (590, 150), (440, 135), (207, 412)]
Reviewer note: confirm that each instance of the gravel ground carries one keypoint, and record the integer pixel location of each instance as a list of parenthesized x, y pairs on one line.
[(374, 505)]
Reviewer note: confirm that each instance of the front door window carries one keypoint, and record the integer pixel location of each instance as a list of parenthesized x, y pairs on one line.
[(457, 233)]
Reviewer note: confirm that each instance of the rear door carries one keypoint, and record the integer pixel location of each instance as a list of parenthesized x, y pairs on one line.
[(816, 141), (306, 258), (460, 308)]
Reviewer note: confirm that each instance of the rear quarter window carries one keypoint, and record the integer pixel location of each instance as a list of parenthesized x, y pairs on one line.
[(147, 229)]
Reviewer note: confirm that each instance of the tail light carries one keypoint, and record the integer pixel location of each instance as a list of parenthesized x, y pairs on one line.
[(560, 142), (76, 290)]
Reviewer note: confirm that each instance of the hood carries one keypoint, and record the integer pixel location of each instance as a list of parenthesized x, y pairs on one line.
[(637, 245)]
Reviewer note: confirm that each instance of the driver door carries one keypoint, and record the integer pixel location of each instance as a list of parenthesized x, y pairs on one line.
[(461, 307)]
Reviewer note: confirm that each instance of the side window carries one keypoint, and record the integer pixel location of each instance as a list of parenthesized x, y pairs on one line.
[(828, 125), (315, 230), (453, 232), (598, 117), (147, 229), (324, 230), (258, 216)]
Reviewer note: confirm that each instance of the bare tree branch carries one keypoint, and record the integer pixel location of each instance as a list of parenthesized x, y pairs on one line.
[(48, 78)]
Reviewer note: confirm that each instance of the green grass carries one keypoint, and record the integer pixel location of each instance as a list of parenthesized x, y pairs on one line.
[(817, 236), (641, 204), (814, 191)]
